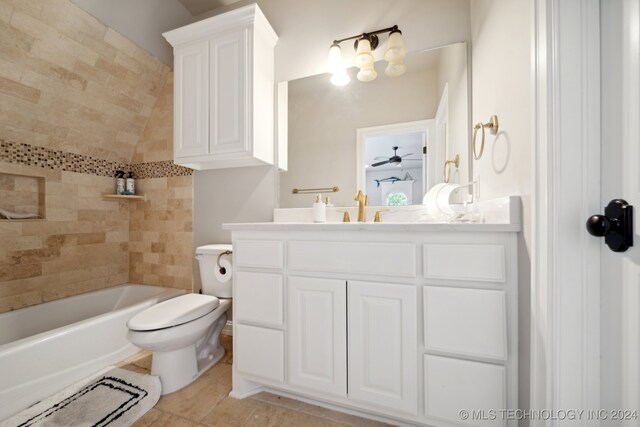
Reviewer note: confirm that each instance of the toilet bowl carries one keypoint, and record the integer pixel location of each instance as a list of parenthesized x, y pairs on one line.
[(184, 332)]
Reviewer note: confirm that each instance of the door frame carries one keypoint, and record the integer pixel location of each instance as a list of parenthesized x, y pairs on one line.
[(565, 293), (440, 147), (427, 126)]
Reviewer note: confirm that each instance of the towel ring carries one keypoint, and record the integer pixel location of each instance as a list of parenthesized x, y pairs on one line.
[(220, 256), (493, 128), (447, 167)]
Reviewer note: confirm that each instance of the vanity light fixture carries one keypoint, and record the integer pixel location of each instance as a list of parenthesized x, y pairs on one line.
[(364, 44)]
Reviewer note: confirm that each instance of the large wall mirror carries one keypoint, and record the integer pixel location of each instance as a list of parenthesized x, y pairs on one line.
[(390, 137)]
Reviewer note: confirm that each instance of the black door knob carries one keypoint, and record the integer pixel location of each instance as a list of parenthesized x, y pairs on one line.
[(616, 225), (598, 225)]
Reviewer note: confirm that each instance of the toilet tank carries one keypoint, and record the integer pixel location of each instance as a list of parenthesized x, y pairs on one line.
[(207, 257)]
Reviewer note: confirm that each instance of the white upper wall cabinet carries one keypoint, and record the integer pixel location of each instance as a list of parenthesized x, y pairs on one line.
[(224, 91)]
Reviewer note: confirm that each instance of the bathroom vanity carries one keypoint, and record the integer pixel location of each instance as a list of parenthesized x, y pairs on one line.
[(404, 322)]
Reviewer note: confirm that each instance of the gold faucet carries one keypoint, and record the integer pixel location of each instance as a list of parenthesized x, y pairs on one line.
[(362, 202)]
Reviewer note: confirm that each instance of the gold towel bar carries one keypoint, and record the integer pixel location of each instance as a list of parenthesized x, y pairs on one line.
[(315, 190)]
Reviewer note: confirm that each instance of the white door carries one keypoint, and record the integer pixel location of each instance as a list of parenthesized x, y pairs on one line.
[(620, 284), (383, 345), (229, 88), (317, 334), (191, 115)]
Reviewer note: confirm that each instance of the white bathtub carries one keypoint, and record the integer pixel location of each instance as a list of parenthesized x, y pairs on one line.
[(47, 347)]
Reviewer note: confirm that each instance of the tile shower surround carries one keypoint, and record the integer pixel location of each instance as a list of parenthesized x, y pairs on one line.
[(31, 155), (86, 243), (79, 101)]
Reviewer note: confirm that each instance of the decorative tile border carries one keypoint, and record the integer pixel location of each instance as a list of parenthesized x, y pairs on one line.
[(31, 155), (158, 170)]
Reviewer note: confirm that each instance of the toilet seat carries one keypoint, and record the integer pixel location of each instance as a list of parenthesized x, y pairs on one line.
[(173, 312)]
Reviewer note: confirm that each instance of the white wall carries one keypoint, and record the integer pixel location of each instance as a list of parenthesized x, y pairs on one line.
[(141, 21), (230, 195), (501, 33), (308, 27), (323, 120)]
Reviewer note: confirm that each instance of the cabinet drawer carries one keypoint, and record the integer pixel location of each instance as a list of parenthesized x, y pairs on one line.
[(259, 297), (470, 322), (258, 253), (451, 385), (485, 263), (385, 259), (259, 352)]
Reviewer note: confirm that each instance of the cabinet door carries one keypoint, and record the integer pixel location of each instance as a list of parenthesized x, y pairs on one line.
[(451, 385), (317, 334), (229, 101), (259, 352), (191, 105), (383, 345)]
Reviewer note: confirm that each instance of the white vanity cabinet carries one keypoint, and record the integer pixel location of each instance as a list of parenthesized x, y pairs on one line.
[(224, 90), (407, 323)]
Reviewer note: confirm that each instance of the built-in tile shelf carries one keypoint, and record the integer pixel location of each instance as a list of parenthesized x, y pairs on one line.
[(20, 195), (108, 196)]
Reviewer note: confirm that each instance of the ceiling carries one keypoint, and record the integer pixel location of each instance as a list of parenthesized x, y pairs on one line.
[(381, 146), (197, 7), (305, 27)]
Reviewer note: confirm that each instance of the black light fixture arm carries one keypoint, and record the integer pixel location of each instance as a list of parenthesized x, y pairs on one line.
[(371, 35)]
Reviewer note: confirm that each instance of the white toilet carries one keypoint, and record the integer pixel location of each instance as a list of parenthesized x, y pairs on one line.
[(184, 332)]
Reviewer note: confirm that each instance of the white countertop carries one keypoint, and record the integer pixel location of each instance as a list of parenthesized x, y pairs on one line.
[(372, 226)]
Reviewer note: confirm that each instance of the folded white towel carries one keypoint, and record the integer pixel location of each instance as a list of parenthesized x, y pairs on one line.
[(15, 215)]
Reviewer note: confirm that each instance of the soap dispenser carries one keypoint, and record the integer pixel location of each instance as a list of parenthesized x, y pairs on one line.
[(319, 210)]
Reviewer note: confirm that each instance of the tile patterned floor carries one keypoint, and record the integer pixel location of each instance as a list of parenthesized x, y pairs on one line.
[(206, 402)]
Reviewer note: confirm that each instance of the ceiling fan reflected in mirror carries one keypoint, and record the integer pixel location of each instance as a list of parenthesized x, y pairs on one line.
[(394, 160)]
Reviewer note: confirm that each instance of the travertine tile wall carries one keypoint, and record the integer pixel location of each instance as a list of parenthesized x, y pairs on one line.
[(156, 142), (76, 101), (161, 238), (68, 82), (81, 246), (161, 245)]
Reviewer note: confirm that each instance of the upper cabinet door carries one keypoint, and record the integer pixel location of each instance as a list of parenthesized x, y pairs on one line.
[(191, 106), (224, 90), (383, 345), (229, 88), (317, 325)]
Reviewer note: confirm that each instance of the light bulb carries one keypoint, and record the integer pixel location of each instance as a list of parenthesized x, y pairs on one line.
[(367, 74), (395, 69), (340, 78), (364, 57), (396, 50), (334, 62)]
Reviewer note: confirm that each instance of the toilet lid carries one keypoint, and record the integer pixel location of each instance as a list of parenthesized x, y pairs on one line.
[(212, 249), (173, 312)]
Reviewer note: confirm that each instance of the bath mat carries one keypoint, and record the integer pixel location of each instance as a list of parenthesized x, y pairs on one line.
[(114, 397)]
